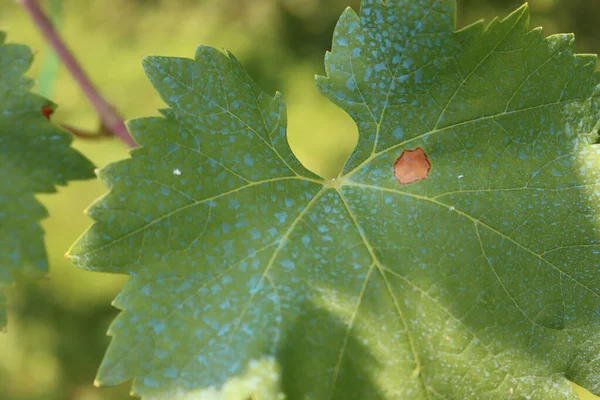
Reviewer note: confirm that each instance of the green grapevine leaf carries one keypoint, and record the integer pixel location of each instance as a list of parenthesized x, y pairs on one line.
[(34, 157), (455, 257)]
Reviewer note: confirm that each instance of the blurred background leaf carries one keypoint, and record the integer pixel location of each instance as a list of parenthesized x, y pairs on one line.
[(57, 326), (50, 63)]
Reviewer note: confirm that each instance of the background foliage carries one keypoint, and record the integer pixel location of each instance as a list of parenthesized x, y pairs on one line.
[(57, 327)]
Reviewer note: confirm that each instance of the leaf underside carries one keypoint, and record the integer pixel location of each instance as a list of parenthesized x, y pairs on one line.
[(478, 282), (35, 156)]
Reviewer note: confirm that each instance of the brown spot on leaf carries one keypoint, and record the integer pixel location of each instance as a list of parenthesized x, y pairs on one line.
[(412, 166), (47, 111)]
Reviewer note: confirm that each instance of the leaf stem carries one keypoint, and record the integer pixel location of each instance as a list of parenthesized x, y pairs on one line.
[(107, 113), (103, 133)]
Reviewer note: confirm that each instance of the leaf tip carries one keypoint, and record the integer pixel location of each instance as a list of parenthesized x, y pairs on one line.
[(522, 11), (348, 9), (147, 63), (87, 210), (321, 81)]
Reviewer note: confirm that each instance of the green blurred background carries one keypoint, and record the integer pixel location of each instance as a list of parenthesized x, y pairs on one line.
[(56, 334)]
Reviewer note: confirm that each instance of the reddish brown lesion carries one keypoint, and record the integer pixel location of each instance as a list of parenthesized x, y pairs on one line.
[(412, 166), (47, 111)]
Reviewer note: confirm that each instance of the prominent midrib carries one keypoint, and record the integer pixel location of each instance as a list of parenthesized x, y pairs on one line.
[(380, 268), (384, 269), (187, 206), (477, 221), (434, 131)]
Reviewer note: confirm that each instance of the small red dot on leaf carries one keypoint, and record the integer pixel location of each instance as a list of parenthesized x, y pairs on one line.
[(47, 111), (412, 166)]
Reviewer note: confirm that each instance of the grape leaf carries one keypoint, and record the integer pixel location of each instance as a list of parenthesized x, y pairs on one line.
[(455, 257), (34, 157)]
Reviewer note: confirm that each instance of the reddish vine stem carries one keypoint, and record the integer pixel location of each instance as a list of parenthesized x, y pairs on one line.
[(111, 120), (103, 133)]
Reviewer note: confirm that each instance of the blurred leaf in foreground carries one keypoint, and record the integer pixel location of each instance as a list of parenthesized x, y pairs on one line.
[(35, 156)]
